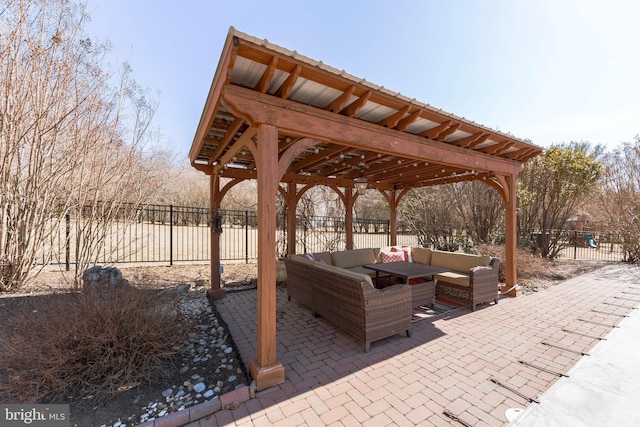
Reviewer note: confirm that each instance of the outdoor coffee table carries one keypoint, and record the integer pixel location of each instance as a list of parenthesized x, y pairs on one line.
[(422, 292)]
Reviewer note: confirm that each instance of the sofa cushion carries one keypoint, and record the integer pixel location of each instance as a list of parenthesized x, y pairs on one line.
[(421, 255), (342, 271), (457, 261), (405, 250), (392, 256), (323, 257), (454, 277), (353, 258)]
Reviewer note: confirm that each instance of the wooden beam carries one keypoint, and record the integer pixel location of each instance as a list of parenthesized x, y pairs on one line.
[(435, 131), (445, 133), (352, 109), (468, 140), (213, 98), (316, 159), (224, 142), (302, 120), (265, 80), (287, 157), (285, 88), (479, 141), (299, 179), (498, 148), (246, 140), (337, 104), (521, 153), (404, 123), (392, 120), (351, 163)]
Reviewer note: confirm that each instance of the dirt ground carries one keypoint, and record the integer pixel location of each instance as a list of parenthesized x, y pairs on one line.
[(235, 275), (51, 285)]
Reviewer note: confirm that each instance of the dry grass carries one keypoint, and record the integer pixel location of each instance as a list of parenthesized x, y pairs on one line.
[(90, 345), (535, 272)]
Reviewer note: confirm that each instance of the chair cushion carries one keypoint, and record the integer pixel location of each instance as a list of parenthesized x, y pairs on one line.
[(454, 277), (457, 261)]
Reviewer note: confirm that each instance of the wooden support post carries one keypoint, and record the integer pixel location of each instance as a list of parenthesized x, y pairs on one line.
[(292, 201), (348, 219), (215, 291), (265, 369), (393, 217), (511, 238)]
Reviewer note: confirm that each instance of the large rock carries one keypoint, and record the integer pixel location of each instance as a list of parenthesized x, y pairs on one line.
[(102, 279)]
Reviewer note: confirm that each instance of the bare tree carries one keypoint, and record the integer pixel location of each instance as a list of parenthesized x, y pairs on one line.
[(620, 197), (431, 214), (67, 138), (481, 209)]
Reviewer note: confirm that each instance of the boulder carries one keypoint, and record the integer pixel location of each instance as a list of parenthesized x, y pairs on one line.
[(102, 279)]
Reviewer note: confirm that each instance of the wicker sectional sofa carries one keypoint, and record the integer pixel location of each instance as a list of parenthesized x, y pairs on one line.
[(473, 279), (348, 300)]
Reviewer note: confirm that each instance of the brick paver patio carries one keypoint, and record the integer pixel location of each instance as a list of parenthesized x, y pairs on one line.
[(447, 364)]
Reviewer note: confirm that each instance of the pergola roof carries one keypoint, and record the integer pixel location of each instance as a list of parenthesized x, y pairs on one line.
[(353, 127)]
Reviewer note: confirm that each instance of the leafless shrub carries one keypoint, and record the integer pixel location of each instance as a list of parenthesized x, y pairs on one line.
[(620, 198), (529, 266), (69, 137), (90, 345)]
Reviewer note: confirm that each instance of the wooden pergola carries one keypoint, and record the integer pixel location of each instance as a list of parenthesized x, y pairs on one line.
[(292, 123)]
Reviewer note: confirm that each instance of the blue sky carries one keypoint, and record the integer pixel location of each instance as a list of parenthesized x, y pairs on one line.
[(550, 71)]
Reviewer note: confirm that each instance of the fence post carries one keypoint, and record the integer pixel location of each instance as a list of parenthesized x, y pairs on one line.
[(170, 234), (246, 237), (67, 242), (575, 244), (388, 233)]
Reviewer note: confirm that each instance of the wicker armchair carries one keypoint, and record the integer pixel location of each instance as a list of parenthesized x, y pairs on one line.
[(483, 286)]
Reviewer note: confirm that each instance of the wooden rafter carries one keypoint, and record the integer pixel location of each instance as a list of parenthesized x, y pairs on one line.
[(404, 123), (338, 104), (435, 131), (468, 140), (479, 141), (449, 131), (392, 120), (316, 159), (361, 135), (285, 88), (224, 142), (498, 148), (265, 80), (352, 109), (346, 169)]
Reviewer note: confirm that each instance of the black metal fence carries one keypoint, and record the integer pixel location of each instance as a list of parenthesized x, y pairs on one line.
[(587, 244), (169, 234)]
